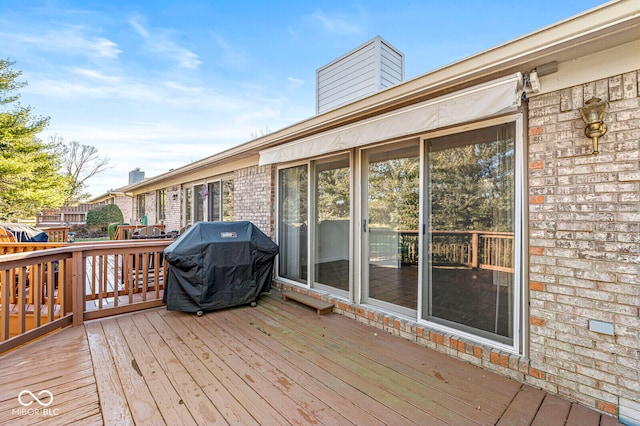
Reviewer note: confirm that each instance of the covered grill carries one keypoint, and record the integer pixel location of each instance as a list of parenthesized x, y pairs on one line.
[(216, 265)]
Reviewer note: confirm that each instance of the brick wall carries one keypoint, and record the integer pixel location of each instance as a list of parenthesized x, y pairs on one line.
[(173, 219), (126, 207), (584, 237), (254, 196), (150, 208)]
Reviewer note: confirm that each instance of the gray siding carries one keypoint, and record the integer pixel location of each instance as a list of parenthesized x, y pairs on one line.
[(369, 68)]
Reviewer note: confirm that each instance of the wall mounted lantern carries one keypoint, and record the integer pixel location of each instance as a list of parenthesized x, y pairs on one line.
[(593, 115)]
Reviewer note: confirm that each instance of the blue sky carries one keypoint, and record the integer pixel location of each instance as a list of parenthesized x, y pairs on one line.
[(160, 84)]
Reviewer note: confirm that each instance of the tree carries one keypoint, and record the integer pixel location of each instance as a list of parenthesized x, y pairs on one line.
[(80, 163), (29, 168)]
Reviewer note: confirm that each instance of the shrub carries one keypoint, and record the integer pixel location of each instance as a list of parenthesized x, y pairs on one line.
[(113, 227), (101, 218)]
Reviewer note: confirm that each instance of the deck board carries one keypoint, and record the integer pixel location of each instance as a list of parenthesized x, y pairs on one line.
[(353, 404), (112, 400), (144, 363), (431, 390), (439, 375), (213, 388), (273, 364), (141, 404), (191, 395)]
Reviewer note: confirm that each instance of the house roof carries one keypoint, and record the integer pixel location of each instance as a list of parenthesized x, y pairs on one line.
[(605, 27)]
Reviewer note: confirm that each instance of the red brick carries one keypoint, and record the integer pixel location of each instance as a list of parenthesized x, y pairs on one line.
[(536, 199), (536, 165), (608, 408), (536, 251), (536, 131), (495, 357), (504, 360), (537, 373), (536, 321), (477, 351), (534, 285)]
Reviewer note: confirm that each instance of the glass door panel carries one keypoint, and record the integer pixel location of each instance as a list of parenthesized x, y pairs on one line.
[(332, 222), (470, 243), (393, 193), (292, 226)]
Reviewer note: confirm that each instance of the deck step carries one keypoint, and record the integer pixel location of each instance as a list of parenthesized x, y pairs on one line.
[(320, 306)]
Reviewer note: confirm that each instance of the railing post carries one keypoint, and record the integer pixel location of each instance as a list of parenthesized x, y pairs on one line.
[(474, 250), (77, 285)]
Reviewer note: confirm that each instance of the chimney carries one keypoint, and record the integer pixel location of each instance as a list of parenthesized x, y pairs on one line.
[(135, 176), (367, 69)]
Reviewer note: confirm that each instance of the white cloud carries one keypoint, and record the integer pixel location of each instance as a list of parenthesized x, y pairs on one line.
[(67, 41), (336, 25), (160, 42), (294, 83), (96, 75), (139, 28)]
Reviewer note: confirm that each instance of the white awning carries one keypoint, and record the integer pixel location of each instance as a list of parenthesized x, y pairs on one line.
[(482, 101)]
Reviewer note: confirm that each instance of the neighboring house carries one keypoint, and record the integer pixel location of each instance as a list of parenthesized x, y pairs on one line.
[(463, 209)]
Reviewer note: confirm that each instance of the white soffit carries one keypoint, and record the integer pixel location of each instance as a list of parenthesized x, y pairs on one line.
[(484, 100)]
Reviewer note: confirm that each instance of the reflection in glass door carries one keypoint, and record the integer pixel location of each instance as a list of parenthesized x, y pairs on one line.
[(470, 243), (332, 211), (392, 224)]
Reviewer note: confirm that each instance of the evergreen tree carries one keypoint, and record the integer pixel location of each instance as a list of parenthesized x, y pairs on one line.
[(30, 176)]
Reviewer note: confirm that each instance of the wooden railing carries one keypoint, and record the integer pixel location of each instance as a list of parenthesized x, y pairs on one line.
[(473, 249), (46, 289), (57, 234)]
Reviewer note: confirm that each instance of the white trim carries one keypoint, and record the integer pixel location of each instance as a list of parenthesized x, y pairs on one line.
[(479, 102)]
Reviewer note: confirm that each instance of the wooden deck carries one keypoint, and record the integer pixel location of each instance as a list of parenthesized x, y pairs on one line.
[(278, 363)]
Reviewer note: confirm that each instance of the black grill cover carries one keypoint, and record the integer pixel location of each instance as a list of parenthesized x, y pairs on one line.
[(216, 265)]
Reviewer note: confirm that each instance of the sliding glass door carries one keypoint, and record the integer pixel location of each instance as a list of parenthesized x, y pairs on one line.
[(471, 226)]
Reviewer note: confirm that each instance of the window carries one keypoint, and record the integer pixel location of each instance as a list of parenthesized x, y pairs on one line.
[(188, 196), (292, 223), (471, 219), (213, 208), (227, 201), (161, 204), (199, 197), (220, 201), (140, 208)]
